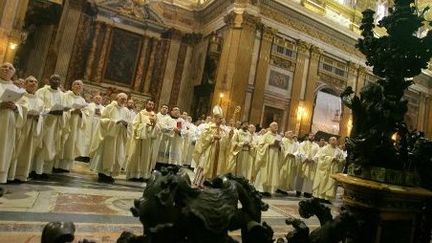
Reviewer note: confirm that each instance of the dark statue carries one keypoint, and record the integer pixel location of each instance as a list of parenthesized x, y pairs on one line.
[(172, 211), (331, 230), (58, 232), (378, 113)]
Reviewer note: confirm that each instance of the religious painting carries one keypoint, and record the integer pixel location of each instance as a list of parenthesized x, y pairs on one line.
[(279, 81), (272, 114), (123, 57)]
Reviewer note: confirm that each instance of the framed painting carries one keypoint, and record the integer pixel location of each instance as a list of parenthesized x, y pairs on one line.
[(123, 57), (279, 81)]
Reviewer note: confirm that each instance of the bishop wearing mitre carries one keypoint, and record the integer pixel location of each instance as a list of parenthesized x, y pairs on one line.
[(144, 134), (330, 160), (31, 132), (209, 149), (268, 161), (11, 117), (108, 151)]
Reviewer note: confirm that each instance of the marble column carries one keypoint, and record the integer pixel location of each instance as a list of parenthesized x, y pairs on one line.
[(178, 74), (428, 117), (174, 37), (360, 79), (346, 112), (311, 85), (235, 61), (148, 74), (141, 64), (421, 119), (261, 74), (91, 57), (299, 73), (67, 31), (98, 77)]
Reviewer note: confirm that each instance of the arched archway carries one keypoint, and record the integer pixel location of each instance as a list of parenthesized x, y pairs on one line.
[(327, 110)]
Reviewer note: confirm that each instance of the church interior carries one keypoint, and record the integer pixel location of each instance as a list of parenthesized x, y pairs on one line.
[(260, 61)]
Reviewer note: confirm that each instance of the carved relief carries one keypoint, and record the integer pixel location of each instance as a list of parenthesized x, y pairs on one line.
[(309, 30)]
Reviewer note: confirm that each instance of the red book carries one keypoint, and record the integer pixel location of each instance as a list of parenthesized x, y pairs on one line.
[(179, 124)]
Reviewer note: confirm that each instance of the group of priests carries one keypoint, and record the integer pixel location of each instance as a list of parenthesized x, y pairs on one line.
[(44, 130)]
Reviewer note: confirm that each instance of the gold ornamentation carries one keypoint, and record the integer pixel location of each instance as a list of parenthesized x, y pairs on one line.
[(309, 30), (303, 47)]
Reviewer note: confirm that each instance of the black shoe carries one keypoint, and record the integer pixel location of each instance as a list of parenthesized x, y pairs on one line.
[(32, 175), (56, 170), (64, 171), (307, 195), (298, 194), (15, 181), (141, 179), (282, 192), (134, 179), (44, 176), (265, 194)]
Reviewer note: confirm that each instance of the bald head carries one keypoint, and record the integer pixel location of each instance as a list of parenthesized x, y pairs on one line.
[(121, 99), (97, 99), (274, 127), (289, 134), (7, 70), (77, 87), (31, 84), (333, 142)]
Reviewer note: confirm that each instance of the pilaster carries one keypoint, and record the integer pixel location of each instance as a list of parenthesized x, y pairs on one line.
[(311, 84), (299, 72), (261, 73)]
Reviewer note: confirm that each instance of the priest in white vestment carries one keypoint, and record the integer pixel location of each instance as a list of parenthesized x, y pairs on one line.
[(74, 132), (53, 129), (94, 110), (242, 154), (31, 132), (189, 142), (109, 149), (11, 118), (177, 137), (140, 160), (289, 167), (330, 160), (166, 126), (268, 161), (307, 166)]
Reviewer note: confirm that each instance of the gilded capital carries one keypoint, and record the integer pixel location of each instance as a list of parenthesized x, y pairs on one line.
[(268, 33), (315, 52), (352, 67), (303, 47), (250, 21), (244, 20), (191, 38), (173, 34), (362, 72)]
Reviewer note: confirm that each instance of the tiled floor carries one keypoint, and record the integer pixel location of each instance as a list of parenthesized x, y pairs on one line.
[(99, 211)]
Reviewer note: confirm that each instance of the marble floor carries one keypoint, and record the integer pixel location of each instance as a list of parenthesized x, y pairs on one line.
[(100, 211)]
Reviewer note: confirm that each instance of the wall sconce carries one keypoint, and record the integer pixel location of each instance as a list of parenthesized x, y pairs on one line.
[(349, 126), (300, 112), (13, 45), (221, 95)]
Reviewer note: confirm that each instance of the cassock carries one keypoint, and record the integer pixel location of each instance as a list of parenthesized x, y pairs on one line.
[(30, 137), (140, 159), (53, 129), (268, 160), (209, 153), (189, 143), (74, 132), (108, 150), (330, 161), (307, 166), (130, 117), (94, 112), (166, 126), (242, 154), (289, 167), (176, 142), (10, 120)]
